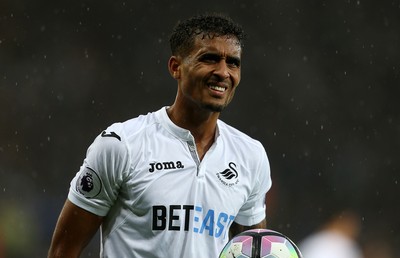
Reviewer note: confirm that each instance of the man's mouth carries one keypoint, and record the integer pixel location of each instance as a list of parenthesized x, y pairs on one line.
[(217, 88)]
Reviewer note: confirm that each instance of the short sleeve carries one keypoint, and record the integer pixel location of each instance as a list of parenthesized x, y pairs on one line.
[(254, 210), (96, 185)]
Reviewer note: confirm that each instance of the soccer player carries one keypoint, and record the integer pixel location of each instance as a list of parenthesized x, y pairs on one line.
[(178, 181)]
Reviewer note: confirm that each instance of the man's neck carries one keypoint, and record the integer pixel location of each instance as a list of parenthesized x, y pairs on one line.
[(201, 123)]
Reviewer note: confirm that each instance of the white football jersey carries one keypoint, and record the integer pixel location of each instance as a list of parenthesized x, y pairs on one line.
[(158, 199)]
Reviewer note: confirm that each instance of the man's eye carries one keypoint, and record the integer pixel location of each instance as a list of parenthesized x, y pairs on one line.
[(233, 62), (210, 58)]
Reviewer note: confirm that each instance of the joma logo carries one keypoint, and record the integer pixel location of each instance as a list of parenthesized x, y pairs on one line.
[(165, 165)]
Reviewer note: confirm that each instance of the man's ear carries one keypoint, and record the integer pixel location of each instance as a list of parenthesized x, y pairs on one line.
[(174, 67)]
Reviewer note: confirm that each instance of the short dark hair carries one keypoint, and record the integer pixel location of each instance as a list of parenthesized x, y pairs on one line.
[(209, 24)]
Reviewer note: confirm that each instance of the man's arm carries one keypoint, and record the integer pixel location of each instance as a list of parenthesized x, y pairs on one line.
[(237, 228), (75, 228)]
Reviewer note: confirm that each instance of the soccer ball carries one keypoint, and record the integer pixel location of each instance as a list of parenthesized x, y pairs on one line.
[(260, 243)]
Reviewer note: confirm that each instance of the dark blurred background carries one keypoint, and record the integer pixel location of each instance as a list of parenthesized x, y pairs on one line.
[(320, 89)]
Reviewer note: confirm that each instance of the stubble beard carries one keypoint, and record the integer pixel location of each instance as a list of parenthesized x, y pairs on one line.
[(213, 107)]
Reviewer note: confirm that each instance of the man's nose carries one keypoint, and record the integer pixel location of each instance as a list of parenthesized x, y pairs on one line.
[(222, 70)]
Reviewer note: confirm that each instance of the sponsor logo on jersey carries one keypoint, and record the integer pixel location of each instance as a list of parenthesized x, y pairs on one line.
[(229, 177), (88, 183), (165, 165), (110, 134), (191, 218)]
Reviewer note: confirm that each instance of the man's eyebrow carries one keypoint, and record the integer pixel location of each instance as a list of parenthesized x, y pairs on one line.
[(210, 54), (235, 59)]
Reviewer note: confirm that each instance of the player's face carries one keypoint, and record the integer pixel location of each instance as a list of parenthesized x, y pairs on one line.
[(208, 76)]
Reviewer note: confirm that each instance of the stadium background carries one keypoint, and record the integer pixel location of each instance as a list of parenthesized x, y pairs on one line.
[(320, 88)]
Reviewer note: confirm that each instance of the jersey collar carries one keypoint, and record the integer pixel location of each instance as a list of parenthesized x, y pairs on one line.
[(182, 133)]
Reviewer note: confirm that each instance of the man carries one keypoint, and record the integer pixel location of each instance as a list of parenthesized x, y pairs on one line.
[(337, 237), (175, 182)]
